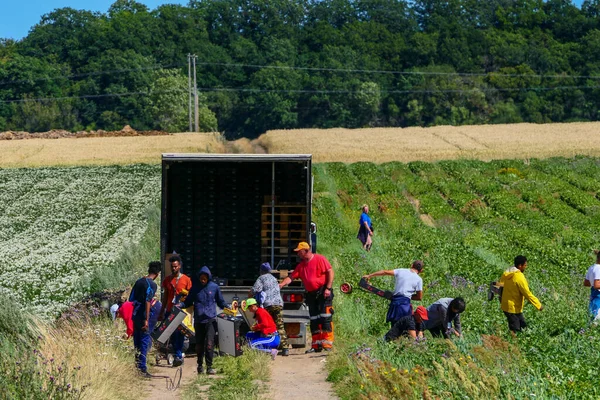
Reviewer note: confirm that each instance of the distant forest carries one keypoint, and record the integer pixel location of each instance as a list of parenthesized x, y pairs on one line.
[(270, 64)]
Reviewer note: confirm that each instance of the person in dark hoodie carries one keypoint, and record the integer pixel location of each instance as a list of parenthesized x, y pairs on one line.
[(204, 295)]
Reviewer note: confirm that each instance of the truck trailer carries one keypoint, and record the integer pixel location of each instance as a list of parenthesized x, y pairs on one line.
[(231, 213)]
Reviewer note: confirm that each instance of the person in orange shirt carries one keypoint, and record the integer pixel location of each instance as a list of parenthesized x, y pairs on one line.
[(317, 276), (175, 287)]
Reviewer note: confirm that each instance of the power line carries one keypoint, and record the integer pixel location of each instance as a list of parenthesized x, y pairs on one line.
[(384, 91), (253, 90), (374, 71), (286, 67), (91, 96), (95, 73)]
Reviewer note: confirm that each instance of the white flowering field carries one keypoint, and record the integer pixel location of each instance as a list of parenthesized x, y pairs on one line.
[(59, 224)]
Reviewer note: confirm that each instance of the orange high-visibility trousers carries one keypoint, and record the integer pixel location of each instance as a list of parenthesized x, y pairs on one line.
[(321, 315)]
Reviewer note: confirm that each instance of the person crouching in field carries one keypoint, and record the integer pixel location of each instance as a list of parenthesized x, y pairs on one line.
[(592, 280), (365, 229), (410, 325), (443, 314), (408, 286), (263, 335), (267, 284), (515, 291), (142, 296)]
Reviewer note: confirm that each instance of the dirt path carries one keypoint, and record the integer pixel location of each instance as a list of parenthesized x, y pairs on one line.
[(157, 388), (300, 377)]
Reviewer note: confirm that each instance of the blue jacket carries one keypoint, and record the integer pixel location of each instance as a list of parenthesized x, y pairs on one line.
[(204, 298)]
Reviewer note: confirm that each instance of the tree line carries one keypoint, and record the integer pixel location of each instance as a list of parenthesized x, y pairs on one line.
[(270, 64)]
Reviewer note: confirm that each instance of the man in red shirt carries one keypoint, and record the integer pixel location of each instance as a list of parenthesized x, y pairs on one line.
[(317, 276), (264, 336), (175, 287)]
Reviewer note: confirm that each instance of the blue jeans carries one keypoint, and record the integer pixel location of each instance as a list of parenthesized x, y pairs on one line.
[(142, 342), (258, 341)]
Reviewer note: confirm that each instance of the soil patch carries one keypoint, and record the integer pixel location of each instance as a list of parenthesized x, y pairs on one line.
[(300, 376), (59, 134)]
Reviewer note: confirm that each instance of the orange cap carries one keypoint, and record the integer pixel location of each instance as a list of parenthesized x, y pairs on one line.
[(302, 246)]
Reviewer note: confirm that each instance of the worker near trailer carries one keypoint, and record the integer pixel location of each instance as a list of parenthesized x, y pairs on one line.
[(125, 312), (263, 334), (592, 280), (515, 291), (205, 294), (267, 285), (317, 276), (408, 286), (443, 314), (410, 325), (175, 287), (141, 296), (365, 228)]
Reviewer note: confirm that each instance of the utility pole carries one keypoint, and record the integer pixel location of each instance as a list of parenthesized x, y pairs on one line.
[(189, 56), (196, 116)]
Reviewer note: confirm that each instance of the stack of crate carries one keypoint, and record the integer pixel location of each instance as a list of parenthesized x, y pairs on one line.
[(238, 242), (287, 224), (219, 214), (182, 233)]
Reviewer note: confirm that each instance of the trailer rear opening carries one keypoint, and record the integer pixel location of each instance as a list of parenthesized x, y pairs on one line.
[(233, 212)]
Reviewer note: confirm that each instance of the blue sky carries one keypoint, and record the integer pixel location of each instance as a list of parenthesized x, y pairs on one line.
[(17, 17)]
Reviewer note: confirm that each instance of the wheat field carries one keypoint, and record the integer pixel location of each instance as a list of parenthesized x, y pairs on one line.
[(484, 142), (104, 151)]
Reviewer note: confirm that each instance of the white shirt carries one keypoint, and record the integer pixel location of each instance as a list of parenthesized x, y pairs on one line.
[(593, 273), (407, 282), (113, 311)]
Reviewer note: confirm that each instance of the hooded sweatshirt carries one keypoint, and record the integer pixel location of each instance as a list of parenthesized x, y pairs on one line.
[(204, 298), (515, 291)]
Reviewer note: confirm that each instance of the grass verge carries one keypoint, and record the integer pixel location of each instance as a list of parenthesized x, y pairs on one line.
[(244, 378), (101, 362), (77, 356)]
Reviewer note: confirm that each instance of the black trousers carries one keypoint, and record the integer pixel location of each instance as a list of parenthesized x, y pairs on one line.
[(439, 332), (205, 342), (516, 322)]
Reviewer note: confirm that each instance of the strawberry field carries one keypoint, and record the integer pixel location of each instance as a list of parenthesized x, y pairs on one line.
[(467, 220), (60, 226)]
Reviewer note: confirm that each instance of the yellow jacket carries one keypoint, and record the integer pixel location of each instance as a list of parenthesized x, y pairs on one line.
[(515, 290)]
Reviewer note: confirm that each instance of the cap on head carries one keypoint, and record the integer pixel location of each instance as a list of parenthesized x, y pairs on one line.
[(422, 312), (302, 246), (246, 304), (418, 265), (265, 267)]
